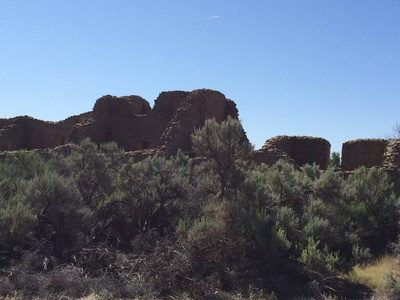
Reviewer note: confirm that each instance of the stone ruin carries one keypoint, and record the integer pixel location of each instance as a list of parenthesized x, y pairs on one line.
[(165, 128), (299, 150), (128, 120)]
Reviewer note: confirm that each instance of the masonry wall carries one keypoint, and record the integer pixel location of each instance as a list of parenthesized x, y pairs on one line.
[(131, 122), (301, 149), (363, 152), (127, 120)]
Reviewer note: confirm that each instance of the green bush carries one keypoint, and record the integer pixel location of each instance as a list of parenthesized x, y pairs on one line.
[(319, 260)]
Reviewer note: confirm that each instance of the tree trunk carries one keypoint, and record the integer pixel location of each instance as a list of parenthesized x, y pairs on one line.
[(58, 239)]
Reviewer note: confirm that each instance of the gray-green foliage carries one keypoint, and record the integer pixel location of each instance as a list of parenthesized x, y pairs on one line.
[(282, 182), (16, 215), (56, 202), (155, 190), (53, 195), (227, 148), (308, 203), (17, 168), (16, 222), (372, 207), (226, 223), (95, 169)]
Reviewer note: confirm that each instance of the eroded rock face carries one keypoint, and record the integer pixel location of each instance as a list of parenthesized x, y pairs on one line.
[(363, 152), (300, 149), (128, 120)]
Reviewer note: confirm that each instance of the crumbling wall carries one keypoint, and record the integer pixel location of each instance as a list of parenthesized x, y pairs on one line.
[(270, 156), (363, 152), (118, 119), (26, 133), (301, 149), (29, 133), (131, 123), (199, 106), (391, 156), (127, 120)]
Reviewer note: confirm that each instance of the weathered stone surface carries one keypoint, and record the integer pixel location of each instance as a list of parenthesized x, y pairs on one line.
[(127, 120), (269, 156), (301, 149), (131, 123), (363, 152), (391, 156), (192, 113), (29, 133)]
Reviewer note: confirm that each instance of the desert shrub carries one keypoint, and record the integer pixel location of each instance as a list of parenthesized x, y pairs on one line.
[(373, 208), (283, 182), (165, 269), (312, 172), (6, 286), (318, 259), (17, 168), (68, 281), (16, 225), (287, 228), (391, 287), (155, 191), (57, 203), (94, 168), (170, 226), (255, 192), (216, 245), (205, 184), (226, 147), (392, 283), (328, 187), (16, 215)]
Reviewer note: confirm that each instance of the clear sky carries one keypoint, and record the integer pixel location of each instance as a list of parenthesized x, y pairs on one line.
[(324, 68)]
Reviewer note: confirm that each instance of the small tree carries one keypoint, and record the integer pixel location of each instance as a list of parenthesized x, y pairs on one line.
[(373, 206), (334, 161), (227, 147), (95, 169), (156, 189), (57, 202)]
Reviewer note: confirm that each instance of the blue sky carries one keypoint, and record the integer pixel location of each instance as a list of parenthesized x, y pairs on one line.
[(327, 68)]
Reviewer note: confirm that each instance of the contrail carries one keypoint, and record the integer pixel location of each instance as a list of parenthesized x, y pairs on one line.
[(212, 17)]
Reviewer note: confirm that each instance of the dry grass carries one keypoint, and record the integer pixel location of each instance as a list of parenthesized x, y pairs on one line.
[(374, 274)]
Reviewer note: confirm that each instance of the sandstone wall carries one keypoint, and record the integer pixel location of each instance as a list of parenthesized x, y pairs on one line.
[(26, 133), (29, 133), (127, 120), (363, 152), (143, 131), (131, 123), (4, 123), (391, 157), (192, 113), (269, 156), (301, 149)]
